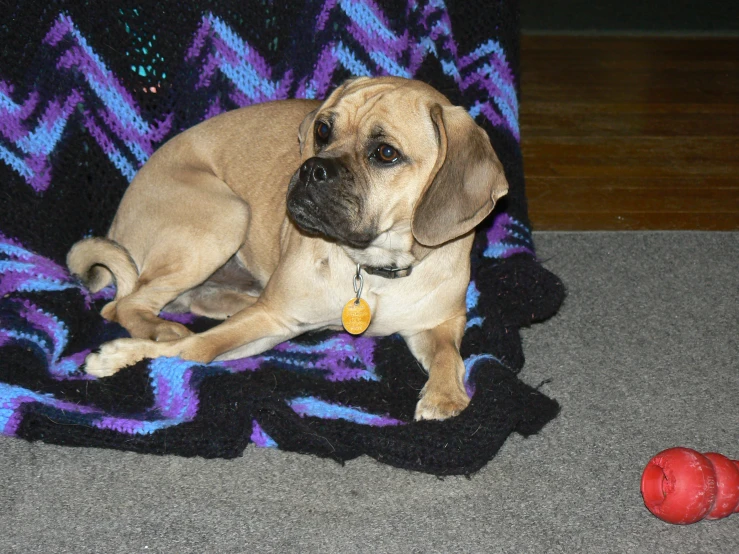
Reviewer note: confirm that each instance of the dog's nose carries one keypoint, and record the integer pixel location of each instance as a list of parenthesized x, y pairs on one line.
[(318, 170)]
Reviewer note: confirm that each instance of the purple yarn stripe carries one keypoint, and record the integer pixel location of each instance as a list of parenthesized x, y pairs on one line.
[(14, 421), (48, 324), (184, 319), (199, 41), (322, 18), (260, 438), (10, 121), (35, 271), (317, 86), (498, 231), (21, 396)]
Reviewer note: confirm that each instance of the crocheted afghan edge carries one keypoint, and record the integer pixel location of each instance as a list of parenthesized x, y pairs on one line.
[(88, 95)]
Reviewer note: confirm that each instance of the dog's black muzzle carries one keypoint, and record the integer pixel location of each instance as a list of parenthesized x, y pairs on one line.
[(322, 200)]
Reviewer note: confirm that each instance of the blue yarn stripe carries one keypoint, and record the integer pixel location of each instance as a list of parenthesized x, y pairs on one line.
[(347, 59), (316, 407), (112, 98), (363, 16), (16, 163)]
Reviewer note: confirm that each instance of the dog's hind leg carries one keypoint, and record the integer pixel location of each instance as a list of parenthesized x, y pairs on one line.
[(228, 291), (272, 319), (206, 224), (139, 312)]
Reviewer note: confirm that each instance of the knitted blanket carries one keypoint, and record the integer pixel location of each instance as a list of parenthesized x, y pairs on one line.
[(88, 90)]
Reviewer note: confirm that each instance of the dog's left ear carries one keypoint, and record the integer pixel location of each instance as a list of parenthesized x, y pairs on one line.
[(465, 184), (306, 127)]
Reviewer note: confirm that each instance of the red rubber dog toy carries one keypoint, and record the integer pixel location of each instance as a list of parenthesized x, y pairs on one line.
[(682, 486)]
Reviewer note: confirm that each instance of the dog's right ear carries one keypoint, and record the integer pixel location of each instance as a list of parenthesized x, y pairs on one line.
[(466, 182), (305, 128)]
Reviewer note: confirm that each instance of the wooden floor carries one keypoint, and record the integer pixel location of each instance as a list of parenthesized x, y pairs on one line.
[(631, 133)]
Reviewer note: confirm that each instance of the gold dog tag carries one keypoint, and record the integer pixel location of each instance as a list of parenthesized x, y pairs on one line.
[(356, 316)]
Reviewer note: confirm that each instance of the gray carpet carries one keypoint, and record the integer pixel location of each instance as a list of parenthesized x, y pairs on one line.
[(643, 356)]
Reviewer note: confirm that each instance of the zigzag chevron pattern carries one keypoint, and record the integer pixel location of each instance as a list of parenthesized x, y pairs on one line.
[(86, 97), (121, 115), (111, 116)]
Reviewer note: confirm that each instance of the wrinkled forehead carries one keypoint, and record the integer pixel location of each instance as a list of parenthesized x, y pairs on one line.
[(390, 107)]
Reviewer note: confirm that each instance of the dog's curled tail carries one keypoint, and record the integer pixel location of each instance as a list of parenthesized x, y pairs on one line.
[(99, 261)]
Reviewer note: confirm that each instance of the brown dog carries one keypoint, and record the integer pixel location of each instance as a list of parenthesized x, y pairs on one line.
[(391, 179)]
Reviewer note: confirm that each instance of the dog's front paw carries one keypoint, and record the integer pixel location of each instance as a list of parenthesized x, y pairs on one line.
[(115, 355), (441, 404)]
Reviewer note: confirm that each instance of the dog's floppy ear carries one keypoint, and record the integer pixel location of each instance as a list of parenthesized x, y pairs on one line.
[(465, 183), (305, 127)]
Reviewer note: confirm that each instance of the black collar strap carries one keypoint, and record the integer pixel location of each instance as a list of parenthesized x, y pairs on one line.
[(389, 272)]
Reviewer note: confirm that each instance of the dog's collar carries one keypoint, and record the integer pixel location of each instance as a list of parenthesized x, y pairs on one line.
[(389, 272)]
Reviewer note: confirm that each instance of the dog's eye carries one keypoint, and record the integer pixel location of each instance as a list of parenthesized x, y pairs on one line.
[(386, 154), (323, 131)]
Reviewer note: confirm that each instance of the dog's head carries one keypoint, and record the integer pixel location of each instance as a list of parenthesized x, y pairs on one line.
[(389, 161)]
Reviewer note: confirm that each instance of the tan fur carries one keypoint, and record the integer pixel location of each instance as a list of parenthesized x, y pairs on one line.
[(204, 225), (99, 261)]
